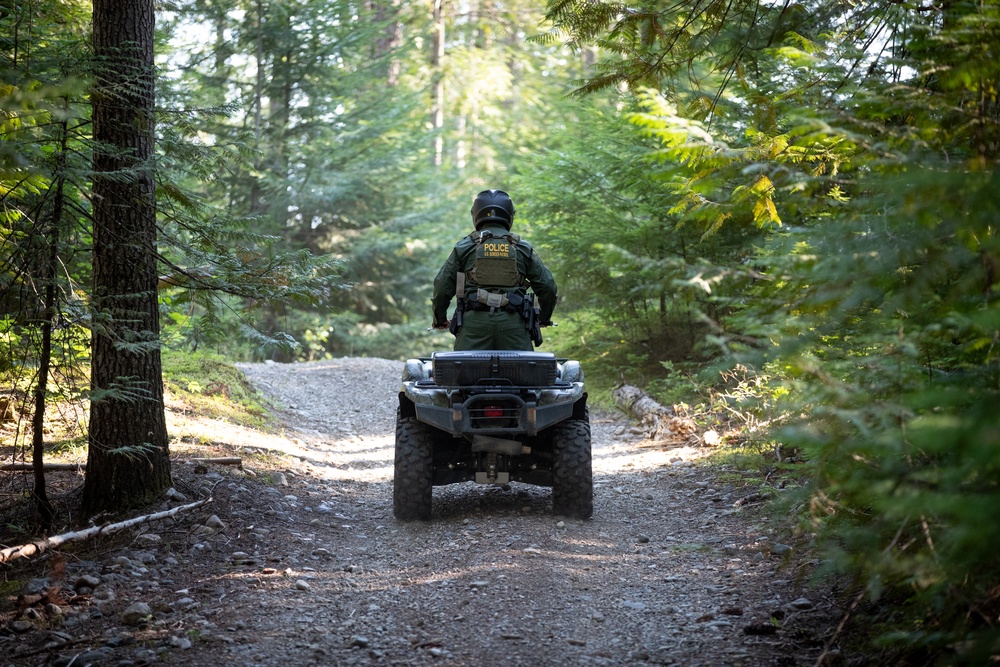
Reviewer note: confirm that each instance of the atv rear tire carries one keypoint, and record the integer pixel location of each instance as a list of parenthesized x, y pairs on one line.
[(572, 472), (413, 472)]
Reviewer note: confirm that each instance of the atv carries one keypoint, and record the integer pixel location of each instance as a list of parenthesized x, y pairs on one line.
[(492, 417)]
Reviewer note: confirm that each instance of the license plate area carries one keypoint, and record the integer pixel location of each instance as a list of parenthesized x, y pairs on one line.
[(493, 413)]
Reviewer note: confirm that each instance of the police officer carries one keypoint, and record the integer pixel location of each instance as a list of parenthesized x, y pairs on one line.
[(491, 269)]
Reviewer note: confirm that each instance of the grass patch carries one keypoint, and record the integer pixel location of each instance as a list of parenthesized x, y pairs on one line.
[(755, 459), (72, 449), (209, 386)]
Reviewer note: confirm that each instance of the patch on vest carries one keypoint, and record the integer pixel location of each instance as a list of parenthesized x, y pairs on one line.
[(496, 248), (496, 263)]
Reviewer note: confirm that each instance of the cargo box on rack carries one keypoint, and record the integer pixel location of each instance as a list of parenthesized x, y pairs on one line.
[(521, 369)]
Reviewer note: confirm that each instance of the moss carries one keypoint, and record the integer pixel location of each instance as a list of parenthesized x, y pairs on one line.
[(11, 587), (210, 386)]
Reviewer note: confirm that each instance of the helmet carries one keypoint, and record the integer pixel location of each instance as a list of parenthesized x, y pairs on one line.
[(492, 206)]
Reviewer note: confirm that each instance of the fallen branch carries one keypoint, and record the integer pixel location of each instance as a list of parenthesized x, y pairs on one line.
[(659, 422), (219, 460), (25, 550), (76, 467), (639, 404), (57, 647), (28, 467)]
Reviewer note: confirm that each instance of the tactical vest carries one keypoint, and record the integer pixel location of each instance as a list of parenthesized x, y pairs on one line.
[(495, 261)]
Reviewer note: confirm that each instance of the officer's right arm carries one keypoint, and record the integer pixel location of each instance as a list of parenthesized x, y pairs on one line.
[(444, 290)]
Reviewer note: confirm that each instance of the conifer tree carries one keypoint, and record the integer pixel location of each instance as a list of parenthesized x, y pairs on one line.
[(128, 460), (43, 221)]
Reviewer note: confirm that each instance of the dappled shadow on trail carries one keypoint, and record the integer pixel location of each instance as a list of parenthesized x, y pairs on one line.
[(310, 567), (672, 569), (666, 571), (659, 576)]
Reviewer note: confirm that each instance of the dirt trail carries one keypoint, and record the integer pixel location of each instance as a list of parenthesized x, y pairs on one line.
[(312, 569)]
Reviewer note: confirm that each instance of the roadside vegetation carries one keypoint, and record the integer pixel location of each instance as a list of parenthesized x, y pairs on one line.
[(209, 386)]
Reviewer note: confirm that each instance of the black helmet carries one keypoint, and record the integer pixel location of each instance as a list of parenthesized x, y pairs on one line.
[(492, 206)]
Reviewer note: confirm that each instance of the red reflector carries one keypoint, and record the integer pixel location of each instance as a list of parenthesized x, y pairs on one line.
[(493, 411)]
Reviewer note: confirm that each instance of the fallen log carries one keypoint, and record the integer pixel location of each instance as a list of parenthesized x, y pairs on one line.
[(50, 467), (658, 421), (28, 467), (25, 550), (218, 460), (637, 403)]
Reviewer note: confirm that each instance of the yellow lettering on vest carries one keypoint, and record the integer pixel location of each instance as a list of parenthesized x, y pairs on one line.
[(494, 249)]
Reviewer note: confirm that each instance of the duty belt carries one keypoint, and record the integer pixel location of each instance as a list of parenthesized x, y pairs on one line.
[(472, 305), (491, 301)]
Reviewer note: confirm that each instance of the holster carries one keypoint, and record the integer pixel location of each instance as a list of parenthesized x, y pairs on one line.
[(457, 319), (530, 313)]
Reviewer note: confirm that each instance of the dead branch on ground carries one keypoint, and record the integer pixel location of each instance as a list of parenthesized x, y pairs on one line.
[(33, 548), (51, 467)]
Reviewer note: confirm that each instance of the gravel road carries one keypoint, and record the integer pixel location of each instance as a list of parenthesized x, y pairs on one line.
[(309, 567), (672, 569)]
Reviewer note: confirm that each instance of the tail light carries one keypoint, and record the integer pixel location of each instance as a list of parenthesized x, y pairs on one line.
[(493, 411)]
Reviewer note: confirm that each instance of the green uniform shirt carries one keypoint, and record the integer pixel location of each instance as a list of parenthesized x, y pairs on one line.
[(462, 258)]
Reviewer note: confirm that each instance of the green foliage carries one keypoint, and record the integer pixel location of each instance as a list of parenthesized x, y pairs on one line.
[(316, 152), (888, 343), (698, 46), (603, 353), (347, 335), (44, 172), (860, 142), (638, 237), (323, 144)]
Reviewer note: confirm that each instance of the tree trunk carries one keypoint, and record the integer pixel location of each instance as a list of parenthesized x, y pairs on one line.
[(42, 504), (127, 459), (258, 102), (437, 82), (384, 14)]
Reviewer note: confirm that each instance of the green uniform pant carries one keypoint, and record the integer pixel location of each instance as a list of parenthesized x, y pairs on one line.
[(501, 330)]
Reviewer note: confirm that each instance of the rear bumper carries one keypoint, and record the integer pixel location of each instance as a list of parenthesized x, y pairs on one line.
[(458, 419), (535, 410)]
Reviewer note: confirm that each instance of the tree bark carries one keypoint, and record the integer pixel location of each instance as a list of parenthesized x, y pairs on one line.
[(127, 459), (384, 13), (437, 82), (258, 112), (44, 507)]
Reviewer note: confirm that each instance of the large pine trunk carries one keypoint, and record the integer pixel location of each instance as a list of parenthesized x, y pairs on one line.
[(128, 462)]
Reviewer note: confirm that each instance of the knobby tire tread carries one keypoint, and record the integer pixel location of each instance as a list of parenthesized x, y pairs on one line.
[(572, 470), (413, 470)]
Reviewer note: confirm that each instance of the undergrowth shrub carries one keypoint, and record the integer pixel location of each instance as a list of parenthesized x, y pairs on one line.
[(887, 345)]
